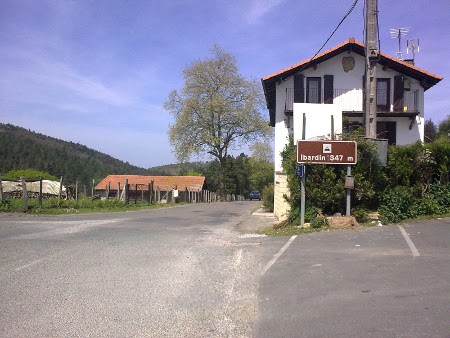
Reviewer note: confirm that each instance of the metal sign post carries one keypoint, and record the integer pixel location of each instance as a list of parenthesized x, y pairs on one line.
[(349, 185)]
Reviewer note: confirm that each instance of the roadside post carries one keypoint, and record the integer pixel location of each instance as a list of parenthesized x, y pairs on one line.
[(327, 152), (303, 180), (349, 185)]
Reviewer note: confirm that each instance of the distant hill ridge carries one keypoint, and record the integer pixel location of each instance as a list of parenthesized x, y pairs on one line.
[(24, 149)]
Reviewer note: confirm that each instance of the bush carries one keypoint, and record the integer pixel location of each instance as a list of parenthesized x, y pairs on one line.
[(361, 215), (311, 212), (5, 205), (325, 187), (29, 174), (414, 182), (403, 203), (319, 222), (442, 195), (426, 206), (396, 205), (268, 197)]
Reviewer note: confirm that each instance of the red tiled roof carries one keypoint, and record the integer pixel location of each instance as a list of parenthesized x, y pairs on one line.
[(335, 48), (164, 183)]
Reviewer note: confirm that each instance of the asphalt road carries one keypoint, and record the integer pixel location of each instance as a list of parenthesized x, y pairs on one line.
[(359, 283), (172, 272), (190, 271)]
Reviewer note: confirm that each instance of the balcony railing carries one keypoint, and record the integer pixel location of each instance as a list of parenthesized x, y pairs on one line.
[(352, 100)]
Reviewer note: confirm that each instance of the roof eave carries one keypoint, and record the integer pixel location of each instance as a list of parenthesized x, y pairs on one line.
[(427, 79)]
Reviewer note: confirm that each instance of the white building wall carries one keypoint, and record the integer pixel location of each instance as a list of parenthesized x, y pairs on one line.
[(283, 124), (318, 121), (352, 81)]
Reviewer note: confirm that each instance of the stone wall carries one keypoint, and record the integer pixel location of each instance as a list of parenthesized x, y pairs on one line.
[(281, 206)]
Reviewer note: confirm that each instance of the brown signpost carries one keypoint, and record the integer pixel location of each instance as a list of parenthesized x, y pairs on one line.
[(326, 152)]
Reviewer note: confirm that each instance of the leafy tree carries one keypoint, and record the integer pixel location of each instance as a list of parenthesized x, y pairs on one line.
[(216, 110), (262, 152), (239, 174), (261, 166), (444, 128), (190, 172), (430, 131)]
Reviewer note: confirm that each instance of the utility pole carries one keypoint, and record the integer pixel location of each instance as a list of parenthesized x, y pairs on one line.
[(370, 86)]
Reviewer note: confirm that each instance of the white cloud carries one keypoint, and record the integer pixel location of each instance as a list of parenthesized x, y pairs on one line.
[(28, 68), (259, 8)]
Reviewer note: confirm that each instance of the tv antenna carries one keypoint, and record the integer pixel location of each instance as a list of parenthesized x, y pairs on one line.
[(398, 33), (413, 44)]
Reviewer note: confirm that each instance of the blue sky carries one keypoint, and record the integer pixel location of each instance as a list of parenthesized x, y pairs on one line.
[(97, 72)]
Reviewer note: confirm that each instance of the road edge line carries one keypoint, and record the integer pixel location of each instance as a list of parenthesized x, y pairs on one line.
[(277, 255), (411, 245)]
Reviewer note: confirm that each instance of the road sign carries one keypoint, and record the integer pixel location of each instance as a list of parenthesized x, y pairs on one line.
[(300, 170), (326, 152)]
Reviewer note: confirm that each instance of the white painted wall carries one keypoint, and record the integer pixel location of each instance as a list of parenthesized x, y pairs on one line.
[(282, 131), (352, 81), (318, 120)]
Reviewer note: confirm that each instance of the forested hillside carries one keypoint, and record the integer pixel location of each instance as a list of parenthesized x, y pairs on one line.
[(24, 149)]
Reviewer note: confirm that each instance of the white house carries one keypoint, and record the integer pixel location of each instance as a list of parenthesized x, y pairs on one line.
[(336, 78)]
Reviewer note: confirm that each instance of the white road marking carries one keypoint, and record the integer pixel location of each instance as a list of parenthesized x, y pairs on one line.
[(237, 257), (30, 264), (75, 227), (413, 248), (252, 235), (34, 262), (41, 260), (279, 253)]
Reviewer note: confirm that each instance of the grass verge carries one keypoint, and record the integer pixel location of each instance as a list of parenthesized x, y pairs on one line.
[(83, 206), (289, 230)]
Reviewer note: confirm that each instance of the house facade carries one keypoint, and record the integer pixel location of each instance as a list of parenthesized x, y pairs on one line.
[(336, 78)]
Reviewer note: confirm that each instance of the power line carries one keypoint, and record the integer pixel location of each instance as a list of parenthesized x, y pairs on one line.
[(352, 7)]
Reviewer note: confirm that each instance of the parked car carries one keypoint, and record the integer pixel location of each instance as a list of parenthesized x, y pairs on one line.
[(255, 195)]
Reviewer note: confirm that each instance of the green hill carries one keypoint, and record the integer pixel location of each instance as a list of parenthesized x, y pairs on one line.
[(24, 149)]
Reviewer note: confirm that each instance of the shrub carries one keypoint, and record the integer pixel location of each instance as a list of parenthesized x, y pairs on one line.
[(319, 222), (268, 197), (426, 206), (325, 187), (440, 195), (5, 205), (311, 212), (29, 174), (361, 215), (397, 204)]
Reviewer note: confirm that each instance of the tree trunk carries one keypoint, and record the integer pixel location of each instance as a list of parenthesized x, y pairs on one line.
[(222, 187)]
